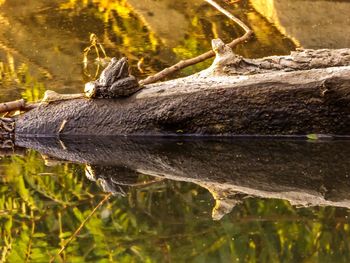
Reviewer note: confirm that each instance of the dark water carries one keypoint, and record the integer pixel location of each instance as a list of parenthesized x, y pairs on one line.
[(173, 200)]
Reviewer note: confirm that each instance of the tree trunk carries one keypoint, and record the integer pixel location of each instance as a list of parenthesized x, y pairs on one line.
[(306, 92)]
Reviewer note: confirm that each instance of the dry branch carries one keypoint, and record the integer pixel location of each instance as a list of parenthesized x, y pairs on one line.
[(209, 54), (16, 105), (12, 106)]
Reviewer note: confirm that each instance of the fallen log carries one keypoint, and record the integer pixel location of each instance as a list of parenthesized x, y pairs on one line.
[(303, 93), (306, 92)]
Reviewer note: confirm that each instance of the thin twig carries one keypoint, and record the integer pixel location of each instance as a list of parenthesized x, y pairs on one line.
[(21, 105), (229, 15), (11, 106), (81, 226), (209, 54), (30, 106)]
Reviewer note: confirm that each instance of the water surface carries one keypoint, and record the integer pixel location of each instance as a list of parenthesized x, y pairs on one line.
[(173, 200)]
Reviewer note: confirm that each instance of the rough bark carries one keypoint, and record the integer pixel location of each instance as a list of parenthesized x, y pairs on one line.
[(297, 171), (306, 92)]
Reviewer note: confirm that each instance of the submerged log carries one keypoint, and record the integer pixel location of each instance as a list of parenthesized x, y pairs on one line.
[(305, 92)]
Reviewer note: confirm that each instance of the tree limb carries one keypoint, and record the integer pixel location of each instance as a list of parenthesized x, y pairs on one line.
[(209, 54), (12, 106)]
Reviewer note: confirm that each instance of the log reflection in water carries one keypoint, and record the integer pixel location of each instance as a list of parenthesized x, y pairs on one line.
[(304, 173)]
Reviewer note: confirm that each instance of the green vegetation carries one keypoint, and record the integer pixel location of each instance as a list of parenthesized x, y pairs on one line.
[(16, 81), (132, 31), (41, 206)]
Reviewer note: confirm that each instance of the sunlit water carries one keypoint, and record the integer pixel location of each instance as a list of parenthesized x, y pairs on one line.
[(172, 200)]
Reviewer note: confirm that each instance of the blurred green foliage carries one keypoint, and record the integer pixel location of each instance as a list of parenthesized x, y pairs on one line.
[(41, 206), (130, 29), (16, 81)]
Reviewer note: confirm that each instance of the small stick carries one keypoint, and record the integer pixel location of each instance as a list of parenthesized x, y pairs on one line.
[(189, 62), (21, 105), (8, 120), (49, 96), (63, 124), (30, 106), (107, 196), (229, 15), (12, 106)]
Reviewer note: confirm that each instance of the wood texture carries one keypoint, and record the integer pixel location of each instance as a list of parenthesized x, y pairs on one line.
[(306, 92)]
